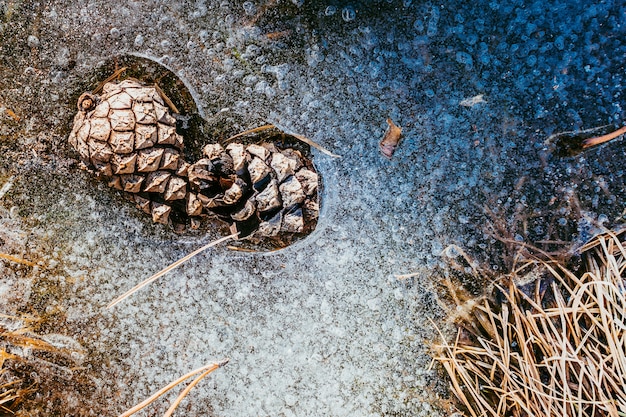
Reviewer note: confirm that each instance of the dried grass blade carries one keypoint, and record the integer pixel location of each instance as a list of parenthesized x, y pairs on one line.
[(247, 132), (169, 268), (15, 259), (166, 99), (407, 276), (587, 143), (315, 145), (110, 78), (184, 393), (16, 338), (210, 368), (238, 249), (575, 341)]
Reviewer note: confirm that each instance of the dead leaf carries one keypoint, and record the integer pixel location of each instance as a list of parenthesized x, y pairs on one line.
[(391, 140)]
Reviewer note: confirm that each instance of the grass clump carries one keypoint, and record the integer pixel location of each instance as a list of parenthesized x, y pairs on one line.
[(553, 347), (15, 386)]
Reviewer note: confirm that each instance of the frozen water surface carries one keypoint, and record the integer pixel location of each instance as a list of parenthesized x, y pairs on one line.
[(322, 328)]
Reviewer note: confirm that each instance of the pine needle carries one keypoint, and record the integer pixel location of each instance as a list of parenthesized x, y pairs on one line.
[(168, 269), (184, 393), (299, 137), (315, 145), (166, 99), (204, 370), (113, 76), (16, 260), (247, 132), (587, 143), (238, 249)]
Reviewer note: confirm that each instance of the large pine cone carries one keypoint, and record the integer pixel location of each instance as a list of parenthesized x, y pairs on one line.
[(128, 137)]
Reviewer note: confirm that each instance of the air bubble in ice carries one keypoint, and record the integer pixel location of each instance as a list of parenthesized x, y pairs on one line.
[(314, 56), (559, 43), (260, 87), (32, 41), (250, 80), (436, 248), (270, 92), (471, 39), (432, 28), (330, 10), (418, 25), (433, 21), (251, 51), (139, 41), (348, 14), (249, 8), (464, 58)]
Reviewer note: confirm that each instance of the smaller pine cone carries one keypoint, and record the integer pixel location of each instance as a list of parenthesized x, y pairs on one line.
[(261, 190)]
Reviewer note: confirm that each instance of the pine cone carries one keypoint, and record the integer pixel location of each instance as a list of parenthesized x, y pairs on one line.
[(259, 189), (127, 136)]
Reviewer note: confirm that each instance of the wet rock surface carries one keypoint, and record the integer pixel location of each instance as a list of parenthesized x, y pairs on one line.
[(322, 327)]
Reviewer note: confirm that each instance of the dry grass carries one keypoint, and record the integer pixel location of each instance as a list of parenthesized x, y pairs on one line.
[(554, 347), (14, 388), (203, 371), (169, 268)]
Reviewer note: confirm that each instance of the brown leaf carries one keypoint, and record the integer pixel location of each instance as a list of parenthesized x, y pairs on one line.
[(390, 141)]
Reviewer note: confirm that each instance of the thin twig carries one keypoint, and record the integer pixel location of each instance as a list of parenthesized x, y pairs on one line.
[(169, 268)]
